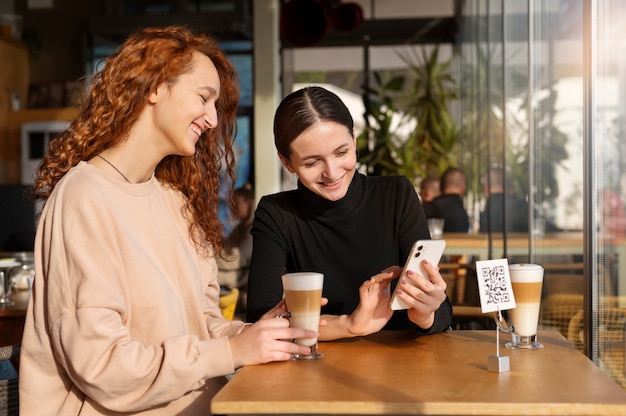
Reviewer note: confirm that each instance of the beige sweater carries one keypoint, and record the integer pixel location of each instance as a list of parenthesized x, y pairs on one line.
[(124, 315)]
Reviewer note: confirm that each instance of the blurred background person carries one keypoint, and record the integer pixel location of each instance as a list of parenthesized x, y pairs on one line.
[(613, 222), (234, 265), (429, 190), (493, 216), (449, 205)]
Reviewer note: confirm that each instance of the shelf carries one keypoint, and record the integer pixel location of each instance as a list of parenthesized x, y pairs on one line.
[(17, 118)]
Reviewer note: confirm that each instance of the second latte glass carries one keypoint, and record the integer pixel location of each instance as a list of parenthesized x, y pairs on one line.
[(527, 280)]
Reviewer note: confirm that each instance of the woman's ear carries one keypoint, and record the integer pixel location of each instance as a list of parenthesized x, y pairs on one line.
[(286, 163), (157, 94)]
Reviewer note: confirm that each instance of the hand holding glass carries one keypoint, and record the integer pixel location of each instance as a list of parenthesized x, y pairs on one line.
[(303, 295)]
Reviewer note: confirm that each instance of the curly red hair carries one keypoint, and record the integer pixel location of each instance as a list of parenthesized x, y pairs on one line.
[(116, 98)]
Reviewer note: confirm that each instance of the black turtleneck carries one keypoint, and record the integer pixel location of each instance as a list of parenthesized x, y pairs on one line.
[(350, 240)]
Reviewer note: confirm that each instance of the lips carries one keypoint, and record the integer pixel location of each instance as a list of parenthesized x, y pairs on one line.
[(331, 184), (196, 129), (334, 183)]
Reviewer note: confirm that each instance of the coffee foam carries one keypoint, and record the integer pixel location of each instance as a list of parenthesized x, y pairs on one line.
[(303, 281), (526, 272)]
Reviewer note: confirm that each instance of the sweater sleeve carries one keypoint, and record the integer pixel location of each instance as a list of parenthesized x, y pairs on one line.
[(413, 226)]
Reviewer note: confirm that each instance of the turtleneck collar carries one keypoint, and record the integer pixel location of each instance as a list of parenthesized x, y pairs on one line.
[(316, 205)]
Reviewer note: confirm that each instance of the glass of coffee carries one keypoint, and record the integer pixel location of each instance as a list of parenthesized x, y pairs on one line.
[(526, 281), (303, 295)]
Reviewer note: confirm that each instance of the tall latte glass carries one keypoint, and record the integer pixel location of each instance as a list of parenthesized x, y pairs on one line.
[(526, 281), (303, 295)]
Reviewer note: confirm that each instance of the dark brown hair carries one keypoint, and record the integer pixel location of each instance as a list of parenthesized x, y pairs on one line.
[(301, 109), (117, 96)]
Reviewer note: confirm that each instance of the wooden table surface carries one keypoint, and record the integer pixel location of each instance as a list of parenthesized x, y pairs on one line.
[(20, 303), (12, 318), (442, 374), (517, 244)]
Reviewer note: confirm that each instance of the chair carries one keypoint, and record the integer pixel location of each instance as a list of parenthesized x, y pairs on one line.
[(9, 388), (563, 278), (610, 310), (462, 289), (455, 276), (228, 303), (563, 284), (557, 311), (612, 336)]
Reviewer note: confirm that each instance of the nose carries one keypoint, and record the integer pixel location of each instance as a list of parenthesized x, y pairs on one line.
[(330, 169), (210, 119)]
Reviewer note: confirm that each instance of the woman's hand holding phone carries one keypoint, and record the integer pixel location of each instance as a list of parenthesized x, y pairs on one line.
[(431, 251), (426, 296)]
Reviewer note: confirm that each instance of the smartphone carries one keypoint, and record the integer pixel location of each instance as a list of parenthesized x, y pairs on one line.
[(429, 250)]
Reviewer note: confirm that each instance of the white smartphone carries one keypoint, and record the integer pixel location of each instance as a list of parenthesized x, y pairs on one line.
[(429, 250)]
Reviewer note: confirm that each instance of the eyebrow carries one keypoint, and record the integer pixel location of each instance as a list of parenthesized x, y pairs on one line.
[(211, 90), (338, 148)]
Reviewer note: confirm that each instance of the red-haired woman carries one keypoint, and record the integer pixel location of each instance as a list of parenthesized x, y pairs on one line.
[(124, 314)]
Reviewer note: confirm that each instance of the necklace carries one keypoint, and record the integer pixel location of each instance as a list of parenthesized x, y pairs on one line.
[(113, 166)]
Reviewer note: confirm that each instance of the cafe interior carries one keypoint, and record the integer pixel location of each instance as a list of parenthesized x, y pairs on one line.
[(533, 87)]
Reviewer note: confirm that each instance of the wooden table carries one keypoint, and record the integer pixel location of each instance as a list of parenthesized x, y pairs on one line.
[(443, 374), (12, 318), (569, 243)]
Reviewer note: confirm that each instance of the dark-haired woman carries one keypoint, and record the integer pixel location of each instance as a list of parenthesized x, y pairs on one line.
[(355, 229)]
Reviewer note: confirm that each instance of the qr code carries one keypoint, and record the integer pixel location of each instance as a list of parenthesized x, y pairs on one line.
[(495, 285)]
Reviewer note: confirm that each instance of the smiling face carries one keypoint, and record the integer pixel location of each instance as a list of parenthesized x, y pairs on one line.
[(324, 158), (185, 109)]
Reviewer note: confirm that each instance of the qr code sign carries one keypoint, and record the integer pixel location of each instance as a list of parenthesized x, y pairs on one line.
[(494, 284)]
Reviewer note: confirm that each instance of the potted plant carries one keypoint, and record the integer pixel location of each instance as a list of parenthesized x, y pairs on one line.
[(410, 131)]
